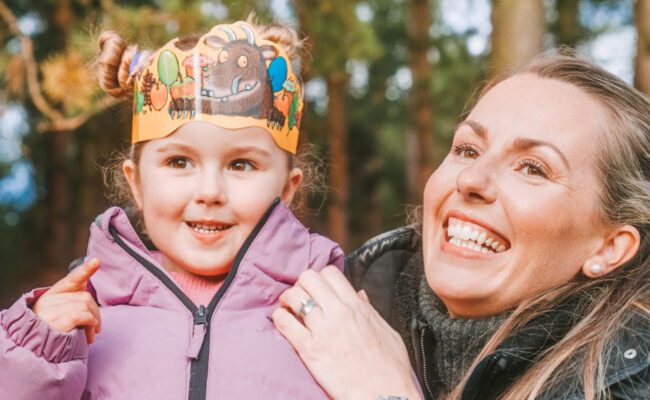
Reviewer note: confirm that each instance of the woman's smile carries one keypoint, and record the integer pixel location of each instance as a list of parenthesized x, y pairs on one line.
[(469, 233)]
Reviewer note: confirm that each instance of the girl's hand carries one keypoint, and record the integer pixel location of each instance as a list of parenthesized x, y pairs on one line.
[(346, 345), (68, 305)]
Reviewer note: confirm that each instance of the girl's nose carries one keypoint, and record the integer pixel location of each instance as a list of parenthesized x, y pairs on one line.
[(211, 189), (475, 183)]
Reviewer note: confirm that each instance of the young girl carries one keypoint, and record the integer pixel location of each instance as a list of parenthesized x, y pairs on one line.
[(215, 130)]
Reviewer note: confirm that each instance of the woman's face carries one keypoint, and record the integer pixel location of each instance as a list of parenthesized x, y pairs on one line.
[(514, 208)]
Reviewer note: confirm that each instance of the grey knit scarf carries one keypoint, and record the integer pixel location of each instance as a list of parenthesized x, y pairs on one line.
[(457, 340)]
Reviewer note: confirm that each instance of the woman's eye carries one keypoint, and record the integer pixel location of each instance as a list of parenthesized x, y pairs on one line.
[(466, 150), (241, 165), (178, 163), (533, 168)]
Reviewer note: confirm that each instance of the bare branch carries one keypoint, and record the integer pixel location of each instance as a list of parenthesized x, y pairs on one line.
[(27, 52), (70, 124), (57, 121)]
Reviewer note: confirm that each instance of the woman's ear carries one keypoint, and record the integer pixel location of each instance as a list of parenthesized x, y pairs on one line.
[(130, 171), (618, 248), (293, 182)]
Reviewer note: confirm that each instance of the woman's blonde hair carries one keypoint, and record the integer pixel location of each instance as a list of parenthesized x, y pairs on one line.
[(604, 305), (114, 75)]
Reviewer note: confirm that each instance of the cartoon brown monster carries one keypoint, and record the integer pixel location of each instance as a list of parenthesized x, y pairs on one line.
[(236, 83)]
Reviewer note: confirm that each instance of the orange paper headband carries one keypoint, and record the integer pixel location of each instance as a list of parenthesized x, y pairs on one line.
[(228, 78)]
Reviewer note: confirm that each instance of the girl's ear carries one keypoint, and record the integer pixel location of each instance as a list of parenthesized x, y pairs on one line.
[(617, 249), (293, 182), (130, 171)]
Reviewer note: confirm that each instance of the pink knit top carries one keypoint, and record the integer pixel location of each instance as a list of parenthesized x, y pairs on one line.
[(198, 289)]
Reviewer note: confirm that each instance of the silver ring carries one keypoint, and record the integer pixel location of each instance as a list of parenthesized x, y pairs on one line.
[(306, 306)]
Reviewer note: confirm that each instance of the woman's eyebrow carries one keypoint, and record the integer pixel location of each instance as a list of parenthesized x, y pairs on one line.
[(519, 143), (527, 143), (479, 129)]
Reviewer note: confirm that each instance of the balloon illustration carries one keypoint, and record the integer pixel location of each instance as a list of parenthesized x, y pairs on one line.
[(277, 73), (167, 67)]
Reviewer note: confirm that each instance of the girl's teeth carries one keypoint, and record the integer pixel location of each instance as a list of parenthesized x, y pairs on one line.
[(494, 245), (474, 236), (500, 248), (488, 242)]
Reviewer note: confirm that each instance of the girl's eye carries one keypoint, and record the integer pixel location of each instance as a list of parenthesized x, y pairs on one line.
[(533, 168), (178, 163), (241, 165), (466, 150)]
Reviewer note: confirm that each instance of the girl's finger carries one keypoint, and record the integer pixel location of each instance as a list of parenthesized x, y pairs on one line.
[(77, 279), (291, 329), (70, 321), (90, 334)]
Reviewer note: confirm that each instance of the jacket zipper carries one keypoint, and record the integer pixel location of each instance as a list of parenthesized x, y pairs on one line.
[(201, 316), (424, 362)]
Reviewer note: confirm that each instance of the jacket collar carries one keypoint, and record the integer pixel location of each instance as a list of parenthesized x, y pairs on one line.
[(121, 279)]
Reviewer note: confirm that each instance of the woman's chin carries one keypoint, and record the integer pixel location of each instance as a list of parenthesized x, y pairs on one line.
[(460, 284)]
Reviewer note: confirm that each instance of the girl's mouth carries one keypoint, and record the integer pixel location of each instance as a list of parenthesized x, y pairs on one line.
[(474, 237), (208, 228)]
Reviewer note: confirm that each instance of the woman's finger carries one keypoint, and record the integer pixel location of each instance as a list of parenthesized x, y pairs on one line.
[(363, 296), (295, 299), (339, 283), (318, 290), (291, 328)]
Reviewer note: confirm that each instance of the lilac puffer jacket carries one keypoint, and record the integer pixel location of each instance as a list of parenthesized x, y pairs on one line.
[(155, 343)]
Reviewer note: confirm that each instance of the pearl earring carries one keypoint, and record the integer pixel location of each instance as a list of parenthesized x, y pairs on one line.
[(596, 268)]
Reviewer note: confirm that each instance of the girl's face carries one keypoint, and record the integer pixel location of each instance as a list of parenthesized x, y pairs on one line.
[(521, 173), (203, 189)]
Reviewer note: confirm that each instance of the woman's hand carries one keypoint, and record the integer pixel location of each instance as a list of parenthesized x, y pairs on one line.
[(349, 349), (68, 305)]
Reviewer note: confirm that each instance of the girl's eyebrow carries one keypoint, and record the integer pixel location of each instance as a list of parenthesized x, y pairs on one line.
[(249, 149), (175, 147), (519, 143)]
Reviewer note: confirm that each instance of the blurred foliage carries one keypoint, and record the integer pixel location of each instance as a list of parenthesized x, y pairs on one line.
[(364, 41)]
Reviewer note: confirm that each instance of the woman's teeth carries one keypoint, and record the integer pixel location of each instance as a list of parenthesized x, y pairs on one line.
[(207, 229), (472, 237)]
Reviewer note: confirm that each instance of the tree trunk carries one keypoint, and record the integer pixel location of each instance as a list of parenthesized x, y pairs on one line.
[(58, 251), (338, 167), (57, 255), (421, 107), (642, 73), (568, 25), (517, 33)]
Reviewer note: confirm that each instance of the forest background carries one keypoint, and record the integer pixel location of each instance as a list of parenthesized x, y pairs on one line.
[(385, 85)]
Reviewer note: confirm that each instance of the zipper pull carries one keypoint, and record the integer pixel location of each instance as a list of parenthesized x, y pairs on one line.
[(199, 329)]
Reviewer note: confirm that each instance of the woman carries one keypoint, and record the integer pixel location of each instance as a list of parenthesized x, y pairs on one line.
[(529, 275)]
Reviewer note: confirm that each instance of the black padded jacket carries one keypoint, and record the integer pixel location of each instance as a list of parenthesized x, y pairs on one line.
[(376, 267)]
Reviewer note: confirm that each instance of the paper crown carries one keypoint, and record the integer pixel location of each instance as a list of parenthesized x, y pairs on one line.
[(228, 78)]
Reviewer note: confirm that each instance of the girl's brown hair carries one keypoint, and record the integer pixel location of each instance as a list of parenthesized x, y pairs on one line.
[(605, 305)]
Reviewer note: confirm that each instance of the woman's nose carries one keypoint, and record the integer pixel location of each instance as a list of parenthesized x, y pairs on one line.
[(211, 189), (475, 183)]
